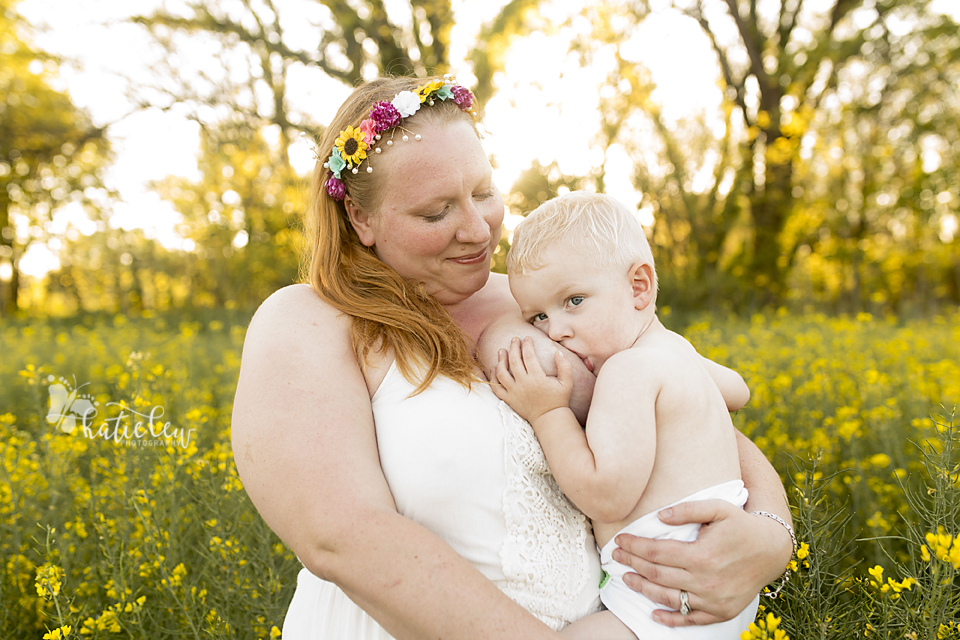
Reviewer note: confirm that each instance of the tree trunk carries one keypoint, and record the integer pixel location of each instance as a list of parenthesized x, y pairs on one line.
[(8, 296), (771, 208)]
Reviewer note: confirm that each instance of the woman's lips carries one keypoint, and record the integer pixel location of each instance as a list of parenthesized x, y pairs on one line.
[(473, 258)]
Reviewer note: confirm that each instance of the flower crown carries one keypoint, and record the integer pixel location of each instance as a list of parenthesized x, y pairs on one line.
[(350, 149)]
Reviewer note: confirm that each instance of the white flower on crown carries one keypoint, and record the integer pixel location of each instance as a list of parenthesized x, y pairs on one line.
[(406, 103)]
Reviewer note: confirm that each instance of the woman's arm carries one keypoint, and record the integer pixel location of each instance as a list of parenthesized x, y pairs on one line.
[(305, 447), (735, 556)]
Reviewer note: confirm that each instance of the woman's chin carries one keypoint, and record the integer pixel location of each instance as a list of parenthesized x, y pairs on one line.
[(456, 290)]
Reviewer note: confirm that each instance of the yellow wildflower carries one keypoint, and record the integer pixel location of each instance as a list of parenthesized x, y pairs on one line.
[(944, 546), (877, 574), (49, 580), (765, 628), (58, 633)]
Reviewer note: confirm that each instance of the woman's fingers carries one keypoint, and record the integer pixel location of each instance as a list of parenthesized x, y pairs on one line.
[(677, 619), (696, 614), (699, 511), (670, 597), (718, 570), (703, 568), (654, 559)]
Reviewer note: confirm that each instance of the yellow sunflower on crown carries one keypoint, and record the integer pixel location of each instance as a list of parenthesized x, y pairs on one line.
[(424, 91), (352, 145)]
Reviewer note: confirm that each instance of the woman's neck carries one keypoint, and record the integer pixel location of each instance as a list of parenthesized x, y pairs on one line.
[(476, 313)]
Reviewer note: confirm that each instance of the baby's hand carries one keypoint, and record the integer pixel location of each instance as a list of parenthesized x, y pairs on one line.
[(524, 386)]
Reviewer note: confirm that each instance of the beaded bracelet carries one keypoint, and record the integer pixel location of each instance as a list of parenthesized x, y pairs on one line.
[(793, 539)]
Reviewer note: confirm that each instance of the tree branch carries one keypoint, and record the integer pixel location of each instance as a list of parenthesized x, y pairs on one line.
[(724, 61), (750, 37)]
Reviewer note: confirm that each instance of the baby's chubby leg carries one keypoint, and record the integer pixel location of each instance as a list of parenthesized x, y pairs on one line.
[(498, 335), (599, 626)]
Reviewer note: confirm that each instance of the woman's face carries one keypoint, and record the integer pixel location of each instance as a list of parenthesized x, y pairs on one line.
[(440, 213)]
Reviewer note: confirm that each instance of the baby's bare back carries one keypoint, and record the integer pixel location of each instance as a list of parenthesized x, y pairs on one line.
[(696, 444)]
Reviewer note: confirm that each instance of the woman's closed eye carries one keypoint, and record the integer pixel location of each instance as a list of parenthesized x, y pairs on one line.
[(486, 195), (437, 217)]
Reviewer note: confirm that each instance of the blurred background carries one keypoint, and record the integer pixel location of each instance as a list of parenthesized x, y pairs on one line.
[(791, 153)]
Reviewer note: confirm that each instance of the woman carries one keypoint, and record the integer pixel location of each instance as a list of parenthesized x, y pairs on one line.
[(413, 538)]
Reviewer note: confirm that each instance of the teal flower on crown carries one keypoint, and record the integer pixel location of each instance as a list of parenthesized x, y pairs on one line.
[(336, 164)]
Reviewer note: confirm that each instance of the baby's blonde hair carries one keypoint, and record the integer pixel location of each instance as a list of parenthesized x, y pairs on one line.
[(592, 224)]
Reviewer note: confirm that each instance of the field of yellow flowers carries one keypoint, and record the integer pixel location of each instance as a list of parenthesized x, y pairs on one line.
[(122, 515)]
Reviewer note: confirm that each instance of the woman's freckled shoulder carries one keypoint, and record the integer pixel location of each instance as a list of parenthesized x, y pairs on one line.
[(292, 307)]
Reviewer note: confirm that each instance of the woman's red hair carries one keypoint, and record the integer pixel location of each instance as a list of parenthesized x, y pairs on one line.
[(389, 312)]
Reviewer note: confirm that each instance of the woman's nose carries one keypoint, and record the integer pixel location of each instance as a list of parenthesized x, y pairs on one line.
[(475, 228)]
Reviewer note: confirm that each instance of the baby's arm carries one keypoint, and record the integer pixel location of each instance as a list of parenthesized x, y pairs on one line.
[(604, 469), (734, 390)]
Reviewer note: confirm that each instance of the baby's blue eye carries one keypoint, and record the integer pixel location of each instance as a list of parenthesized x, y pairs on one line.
[(575, 301), (540, 317)]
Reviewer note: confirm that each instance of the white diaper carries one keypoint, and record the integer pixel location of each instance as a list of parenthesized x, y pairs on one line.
[(635, 610)]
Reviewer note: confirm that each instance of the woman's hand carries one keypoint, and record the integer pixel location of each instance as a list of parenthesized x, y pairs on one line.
[(734, 557)]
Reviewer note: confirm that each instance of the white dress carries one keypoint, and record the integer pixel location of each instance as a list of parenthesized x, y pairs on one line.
[(464, 465)]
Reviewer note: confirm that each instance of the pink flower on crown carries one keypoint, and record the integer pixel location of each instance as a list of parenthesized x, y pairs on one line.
[(335, 188), (369, 128), (384, 115), (462, 96)]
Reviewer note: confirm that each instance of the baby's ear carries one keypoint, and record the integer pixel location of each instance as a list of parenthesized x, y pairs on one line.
[(643, 285)]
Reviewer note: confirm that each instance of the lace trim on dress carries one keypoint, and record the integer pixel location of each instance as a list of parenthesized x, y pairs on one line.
[(544, 555)]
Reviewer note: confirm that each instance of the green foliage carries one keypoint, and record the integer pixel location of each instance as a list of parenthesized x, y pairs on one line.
[(243, 218), (830, 175), (162, 542), (851, 393), (538, 184), (51, 155), (112, 271)]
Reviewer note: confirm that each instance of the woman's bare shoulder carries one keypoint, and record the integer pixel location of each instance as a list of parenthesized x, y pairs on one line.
[(294, 302), (293, 310), (294, 328)]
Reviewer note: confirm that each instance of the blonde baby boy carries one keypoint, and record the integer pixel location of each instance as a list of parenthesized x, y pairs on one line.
[(658, 432)]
